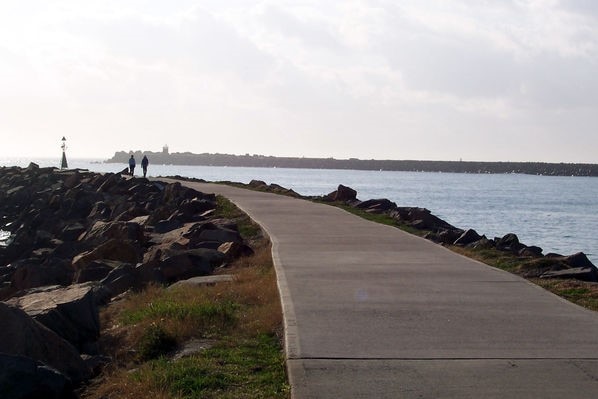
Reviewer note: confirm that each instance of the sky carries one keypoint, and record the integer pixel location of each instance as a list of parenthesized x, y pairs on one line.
[(483, 80)]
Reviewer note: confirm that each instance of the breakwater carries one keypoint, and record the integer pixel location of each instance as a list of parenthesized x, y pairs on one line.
[(73, 240), (531, 168)]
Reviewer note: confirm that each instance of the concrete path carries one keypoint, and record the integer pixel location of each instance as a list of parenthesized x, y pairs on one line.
[(373, 312)]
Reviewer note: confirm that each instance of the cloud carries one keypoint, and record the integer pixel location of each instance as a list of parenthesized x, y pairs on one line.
[(376, 78)]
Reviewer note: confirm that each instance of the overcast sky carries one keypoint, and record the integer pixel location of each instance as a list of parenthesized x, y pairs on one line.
[(490, 80)]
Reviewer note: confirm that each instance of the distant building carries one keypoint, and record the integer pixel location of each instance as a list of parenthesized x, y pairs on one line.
[(165, 149)]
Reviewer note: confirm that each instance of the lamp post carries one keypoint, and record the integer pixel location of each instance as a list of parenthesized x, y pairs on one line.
[(63, 164)]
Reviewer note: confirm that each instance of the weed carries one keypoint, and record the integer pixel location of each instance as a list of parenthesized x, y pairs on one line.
[(250, 368), (155, 342), (242, 317), (248, 229)]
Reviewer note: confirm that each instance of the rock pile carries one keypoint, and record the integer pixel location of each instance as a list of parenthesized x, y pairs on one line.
[(576, 266), (75, 239)]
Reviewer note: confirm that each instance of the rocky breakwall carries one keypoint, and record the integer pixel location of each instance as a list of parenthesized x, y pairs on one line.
[(73, 240), (533, 263)]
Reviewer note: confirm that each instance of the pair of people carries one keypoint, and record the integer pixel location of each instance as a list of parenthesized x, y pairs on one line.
[(144, 163)]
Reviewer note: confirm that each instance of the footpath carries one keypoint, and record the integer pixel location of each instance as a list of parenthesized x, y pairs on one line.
[(373, 312)]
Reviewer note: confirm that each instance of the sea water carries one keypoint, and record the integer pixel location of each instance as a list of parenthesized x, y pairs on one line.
[(559, 214)]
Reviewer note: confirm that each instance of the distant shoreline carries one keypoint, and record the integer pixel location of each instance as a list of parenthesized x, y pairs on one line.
[(474, 167)]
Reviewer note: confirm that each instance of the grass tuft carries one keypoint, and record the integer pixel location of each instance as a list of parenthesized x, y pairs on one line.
[(242, 319), (155, 342)]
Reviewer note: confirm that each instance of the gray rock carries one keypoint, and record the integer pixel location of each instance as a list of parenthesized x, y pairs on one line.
[(96, 270), (164, 226), (20, 335), (577, 273), (509, 242), (578, 260), (234, 250), (103, 231), (71, 312), (31, 273), (25, 378), (342, 194), (112, 249), (377, 205), (191, 263), (121, 279), (531, 251), (468, 237)]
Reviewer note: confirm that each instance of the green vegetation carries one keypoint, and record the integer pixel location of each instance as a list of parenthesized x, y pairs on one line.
[(251, 368), (377, 217), (581, 293), (216, 315), (248, 229), (155, 342), (241, 320)]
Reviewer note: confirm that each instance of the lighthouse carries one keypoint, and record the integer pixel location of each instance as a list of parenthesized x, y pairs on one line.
[(63, 163)]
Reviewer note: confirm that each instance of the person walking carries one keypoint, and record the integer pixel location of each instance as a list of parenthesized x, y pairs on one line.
[(144, 163), (131, 165)]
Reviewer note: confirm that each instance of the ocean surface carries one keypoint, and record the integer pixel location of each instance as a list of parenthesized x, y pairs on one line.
[(559, 214)]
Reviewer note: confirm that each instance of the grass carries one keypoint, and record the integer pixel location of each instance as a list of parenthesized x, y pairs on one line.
[(250, 368), (241, 319), (376, 217), (493, 257), (248, 229), (581, 293)]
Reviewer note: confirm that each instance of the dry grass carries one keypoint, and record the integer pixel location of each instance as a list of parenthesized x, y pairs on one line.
[(238, 316), (581, 293)]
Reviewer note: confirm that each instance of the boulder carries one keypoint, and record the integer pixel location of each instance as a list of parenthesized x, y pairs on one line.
[(234, 250), (119, 230), (578, 260), (121, 279), (100, 210), (446, 236), (342, 194), (257, 184), (112, 249), (421, 218), (96, 270), (212, 231), (578, 273), (164, 226), (22, 336), (468, 237), (22, 377), (31, 273), (149, 272), (71, 312), (531, 251), (72, 179), (509, 242), (72, 231), (194, 207), (482, 243), (175, 193), (190, 263), (377, 205)]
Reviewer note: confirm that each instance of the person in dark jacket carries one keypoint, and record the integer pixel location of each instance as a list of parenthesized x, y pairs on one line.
[(131, 165), (144, 163)]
